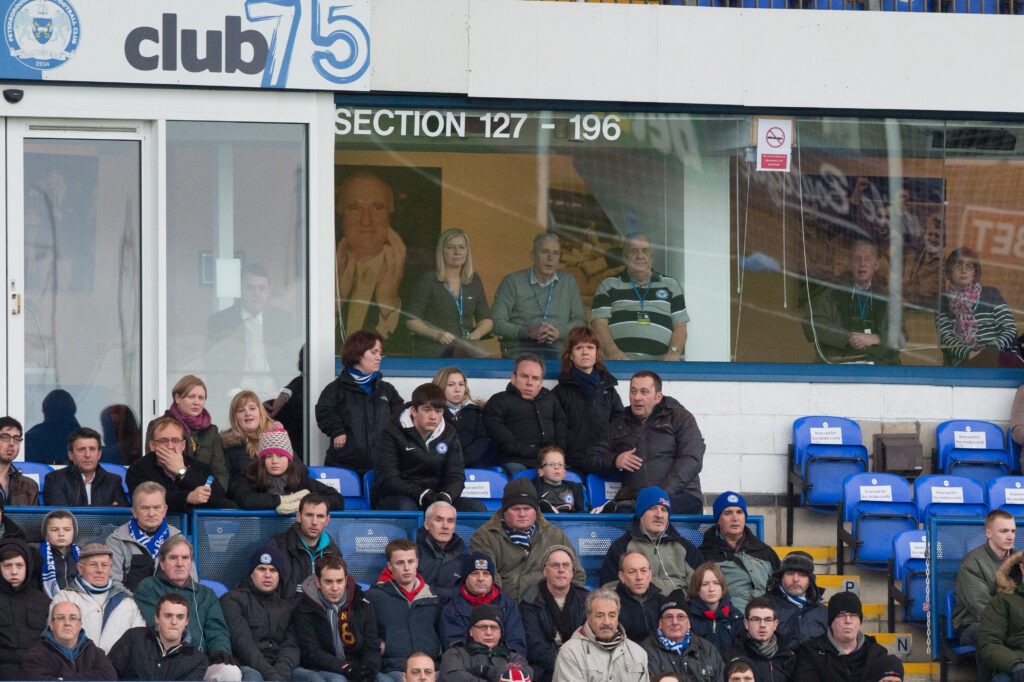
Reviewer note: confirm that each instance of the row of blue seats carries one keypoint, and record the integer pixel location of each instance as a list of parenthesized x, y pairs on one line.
[(225, 538)]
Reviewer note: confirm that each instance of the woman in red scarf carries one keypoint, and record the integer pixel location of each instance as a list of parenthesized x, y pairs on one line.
[(189, 409), (976, 327)]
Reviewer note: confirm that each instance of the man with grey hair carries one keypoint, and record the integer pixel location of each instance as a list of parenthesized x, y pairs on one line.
[(134, 545), (535, 308), (600, 650), (440, 550)]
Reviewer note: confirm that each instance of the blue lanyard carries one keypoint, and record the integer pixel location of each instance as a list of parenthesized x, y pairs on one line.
[(551, 290), (863, 303), (458, 301), (637, 292)]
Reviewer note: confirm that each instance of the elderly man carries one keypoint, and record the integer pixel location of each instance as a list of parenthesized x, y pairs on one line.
[(477, 587), (207, 627), (134, 545), (407, 610), (673, 648), (65, 652), (552, 610), (745, 560), (163, 652), (259, 619), (842, 653), (599, 651), (535, 308), (796, 597), (517, 537), (525, 417), (370, 256), (440, 550), (640, 599), (656, 441), (640, 314), (251, 345), (16, 489), (672, 556), (761, 645), (850, 323), (107, 609), (84, 482), (303, 543), (482, 655), (188, 482)]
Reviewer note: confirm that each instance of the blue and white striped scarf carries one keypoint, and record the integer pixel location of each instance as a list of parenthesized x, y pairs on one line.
[(50, 584)]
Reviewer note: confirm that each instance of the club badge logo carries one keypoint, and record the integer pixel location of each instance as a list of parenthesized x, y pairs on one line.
[(42, 34)]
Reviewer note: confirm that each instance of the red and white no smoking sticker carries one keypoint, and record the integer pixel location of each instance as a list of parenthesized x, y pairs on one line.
[(774, 144)]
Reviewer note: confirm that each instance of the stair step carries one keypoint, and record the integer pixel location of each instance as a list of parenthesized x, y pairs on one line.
[(838, 583), (898, 643)]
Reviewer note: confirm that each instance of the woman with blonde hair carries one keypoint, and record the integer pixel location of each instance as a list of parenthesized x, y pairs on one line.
[(467, 416), (448, 311), (188, 408), (248, 419)]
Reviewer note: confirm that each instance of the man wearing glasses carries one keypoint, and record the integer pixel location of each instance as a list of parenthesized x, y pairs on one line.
[(844, 652), (187, 480), (64, 652), (16, 489), (767, 651), (483, 655), (674, 649)]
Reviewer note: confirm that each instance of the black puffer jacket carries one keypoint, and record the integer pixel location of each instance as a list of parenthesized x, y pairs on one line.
[(197, 473), (260, 634), (65, 488), (137, 656), (405, 464), (316, 638), (477, 451), (818, 661), (300, 559), (519, 428), (639, 616), (440, 567), (345, 408), (246, 496), (472, 662), (541, 629), (778, 668), (23, 614), (587, 419), (670, 444)]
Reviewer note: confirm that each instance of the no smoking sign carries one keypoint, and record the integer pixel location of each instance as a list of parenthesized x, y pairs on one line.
[(774, 144)]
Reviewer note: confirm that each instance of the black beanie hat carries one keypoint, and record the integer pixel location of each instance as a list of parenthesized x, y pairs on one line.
[(520, 491), (844, 602), (882, 667), (485, 612)]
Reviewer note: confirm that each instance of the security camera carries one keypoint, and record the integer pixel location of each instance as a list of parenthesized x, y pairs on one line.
[(13, 95)]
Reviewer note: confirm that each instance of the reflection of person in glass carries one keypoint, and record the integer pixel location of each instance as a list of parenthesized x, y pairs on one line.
[(250, 344), (922, 266), (449, 306), (640, 313), (536, 307), (975, 325), (851, 323), (370, 256)]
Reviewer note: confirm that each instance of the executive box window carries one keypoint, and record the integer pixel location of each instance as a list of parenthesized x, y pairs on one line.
[(840, 259)]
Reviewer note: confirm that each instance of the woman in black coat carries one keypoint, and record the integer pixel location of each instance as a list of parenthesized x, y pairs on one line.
[(586, 392), (467, 416), (357, 406)]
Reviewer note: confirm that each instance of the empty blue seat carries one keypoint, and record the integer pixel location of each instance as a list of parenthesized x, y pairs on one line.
[(485, 485), (1007, 492), (218, 588), (368, 487), (972, 448), (910, 552), (947, 495), (363, 543), (975, 6), (952, 650), (600, 489), (345, 481), (878, 507)]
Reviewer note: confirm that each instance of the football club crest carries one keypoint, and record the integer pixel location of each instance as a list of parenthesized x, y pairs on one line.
[(42, 34), (442, 448), (662, 294)]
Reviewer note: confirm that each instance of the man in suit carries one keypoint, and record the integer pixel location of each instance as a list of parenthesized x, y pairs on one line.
[(251, 344)]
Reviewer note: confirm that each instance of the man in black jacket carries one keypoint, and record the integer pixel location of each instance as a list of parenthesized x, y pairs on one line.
[(844, 653), (440, 550), (796, 596), (258, 619), (64, 652), (525, 417), (84, 482), (639, 597), (302, 544), (418, 459), (552, 610), (162, 652), (766, 650), (23, 608), (336, 626)]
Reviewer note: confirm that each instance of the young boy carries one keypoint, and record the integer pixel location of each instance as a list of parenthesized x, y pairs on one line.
[(58, 552), (556, 494)]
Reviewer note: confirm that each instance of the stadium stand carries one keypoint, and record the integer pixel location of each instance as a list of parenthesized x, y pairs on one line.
[(976, 449), (944, 495), (878, 507), (1007, 492), (345, 481)]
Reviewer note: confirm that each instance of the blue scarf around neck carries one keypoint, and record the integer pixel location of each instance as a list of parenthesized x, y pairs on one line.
[(363, 381), (50, 584), (153, 542)]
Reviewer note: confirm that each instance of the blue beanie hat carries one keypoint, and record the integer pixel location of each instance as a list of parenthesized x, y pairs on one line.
[(268, 556), (729, 499), (476, 561), (648, 497)]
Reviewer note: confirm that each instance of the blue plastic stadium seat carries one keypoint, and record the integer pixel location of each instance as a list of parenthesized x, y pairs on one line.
[(1013, 446), (825, 451), (952, 650), (345, 481), (600, 489), (975, 7), (532, 474), (947, 495), (218, 588), (121, 471), (909, 572), (591, 536), (1007, 492), (362, 544), (36, 471), (878, 507), (972, 448), (367, 487), (485, 485)]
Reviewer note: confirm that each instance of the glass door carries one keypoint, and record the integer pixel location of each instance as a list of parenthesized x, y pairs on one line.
[(74, 288)]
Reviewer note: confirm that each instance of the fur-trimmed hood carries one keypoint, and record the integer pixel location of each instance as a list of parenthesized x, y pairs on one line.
[(1008, 576)]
